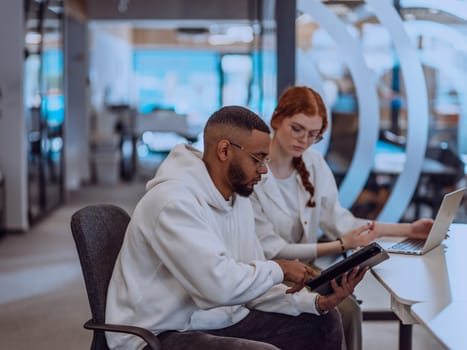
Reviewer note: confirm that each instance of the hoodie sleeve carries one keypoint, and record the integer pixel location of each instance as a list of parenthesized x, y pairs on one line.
[(276, 300), (189, 246)]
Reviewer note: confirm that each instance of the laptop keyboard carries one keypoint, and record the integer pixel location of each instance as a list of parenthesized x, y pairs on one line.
[(409, 244)]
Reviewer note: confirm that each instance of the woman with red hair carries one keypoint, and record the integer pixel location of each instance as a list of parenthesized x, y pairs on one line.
[(297, 201)]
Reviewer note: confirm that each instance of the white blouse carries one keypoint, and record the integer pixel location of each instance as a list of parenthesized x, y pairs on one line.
[(275, 217)]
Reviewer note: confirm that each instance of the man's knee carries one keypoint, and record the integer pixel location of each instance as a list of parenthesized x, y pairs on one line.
[(332, 330), (333, 320), (195, 340)]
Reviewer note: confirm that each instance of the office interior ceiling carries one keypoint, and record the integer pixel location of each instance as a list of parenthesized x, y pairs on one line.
[(244, 32), (232, 33)]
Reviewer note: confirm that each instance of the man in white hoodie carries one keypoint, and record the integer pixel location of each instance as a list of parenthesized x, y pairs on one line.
[(191, 268)]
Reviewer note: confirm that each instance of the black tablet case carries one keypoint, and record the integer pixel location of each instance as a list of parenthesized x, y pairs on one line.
[(370, 255)]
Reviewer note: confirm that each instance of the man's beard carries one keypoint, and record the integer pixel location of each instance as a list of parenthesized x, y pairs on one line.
[(237, 178)]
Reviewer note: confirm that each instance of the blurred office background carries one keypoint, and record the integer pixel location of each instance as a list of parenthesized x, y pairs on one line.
[(98, 92)]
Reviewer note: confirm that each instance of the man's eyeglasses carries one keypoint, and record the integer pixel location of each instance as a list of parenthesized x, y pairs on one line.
[(260, 163), (298, 132)]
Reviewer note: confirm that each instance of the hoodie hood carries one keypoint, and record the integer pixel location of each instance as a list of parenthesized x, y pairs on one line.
[(184, 167)]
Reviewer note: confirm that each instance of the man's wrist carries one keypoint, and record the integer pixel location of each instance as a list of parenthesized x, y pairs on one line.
[(277, 273), (319, 308)]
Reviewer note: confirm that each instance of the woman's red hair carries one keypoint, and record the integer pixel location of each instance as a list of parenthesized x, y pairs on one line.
[(296, 100)]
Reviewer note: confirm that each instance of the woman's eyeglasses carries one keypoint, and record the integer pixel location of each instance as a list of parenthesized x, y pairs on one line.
[(299, 132), (260, 163)]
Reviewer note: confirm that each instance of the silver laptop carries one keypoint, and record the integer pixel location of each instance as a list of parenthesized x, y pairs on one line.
[(438, 231)]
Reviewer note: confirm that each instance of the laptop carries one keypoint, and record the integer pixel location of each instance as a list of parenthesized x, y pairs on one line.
[(438, 231)]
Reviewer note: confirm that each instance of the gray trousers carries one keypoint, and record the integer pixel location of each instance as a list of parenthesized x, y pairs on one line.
[(352, 323), (264, 331)]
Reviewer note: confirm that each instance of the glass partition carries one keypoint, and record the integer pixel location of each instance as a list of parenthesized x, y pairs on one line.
[(407, 63), (44, 104)]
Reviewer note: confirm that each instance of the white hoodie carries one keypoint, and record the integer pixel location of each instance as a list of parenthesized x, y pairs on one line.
[(191, 260)]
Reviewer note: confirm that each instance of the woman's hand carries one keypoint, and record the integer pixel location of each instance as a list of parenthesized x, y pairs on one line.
[(420, 228), (342, 290), (359, 237)]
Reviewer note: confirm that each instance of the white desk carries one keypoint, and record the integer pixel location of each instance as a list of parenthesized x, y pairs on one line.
[(447, 325), (437, 279)]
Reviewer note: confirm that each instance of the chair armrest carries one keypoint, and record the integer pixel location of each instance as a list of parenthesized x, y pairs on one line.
[(149, 337)]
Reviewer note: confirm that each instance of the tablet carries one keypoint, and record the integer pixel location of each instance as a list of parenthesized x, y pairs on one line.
[(370, 255)]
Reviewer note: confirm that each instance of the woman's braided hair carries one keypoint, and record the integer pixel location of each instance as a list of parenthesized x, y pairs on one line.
[(296, 100)]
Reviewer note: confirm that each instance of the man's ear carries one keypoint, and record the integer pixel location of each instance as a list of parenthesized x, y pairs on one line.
[(223, 149)]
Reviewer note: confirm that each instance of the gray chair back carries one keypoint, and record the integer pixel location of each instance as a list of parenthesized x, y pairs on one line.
[(98, 231)]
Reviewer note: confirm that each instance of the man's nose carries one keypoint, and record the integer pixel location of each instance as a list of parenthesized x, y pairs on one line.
[(263, 169)]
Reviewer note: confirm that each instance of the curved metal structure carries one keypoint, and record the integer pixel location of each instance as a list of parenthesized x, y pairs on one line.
[(367, 99)]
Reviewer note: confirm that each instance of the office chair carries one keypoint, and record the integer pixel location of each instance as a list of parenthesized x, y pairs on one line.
[(98, 231)]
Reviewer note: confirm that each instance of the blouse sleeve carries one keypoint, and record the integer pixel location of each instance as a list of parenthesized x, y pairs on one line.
[(334, 220), (270, 241)]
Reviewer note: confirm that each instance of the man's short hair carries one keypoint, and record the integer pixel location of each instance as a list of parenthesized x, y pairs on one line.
[(237, 117)]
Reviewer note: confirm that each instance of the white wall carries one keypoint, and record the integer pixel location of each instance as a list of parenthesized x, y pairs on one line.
[(13, 161), (77, 122), (111, 64)]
